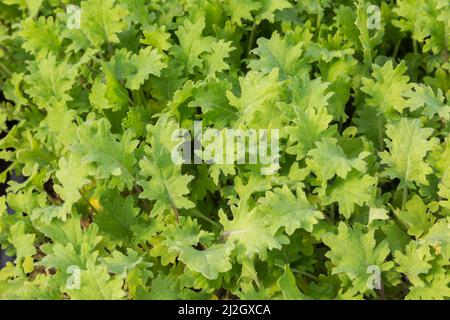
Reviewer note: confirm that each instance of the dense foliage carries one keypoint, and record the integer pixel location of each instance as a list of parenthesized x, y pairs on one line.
[(88, 115)]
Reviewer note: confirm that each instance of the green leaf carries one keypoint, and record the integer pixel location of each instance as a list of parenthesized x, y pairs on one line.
[(114, 158), (378, 214), (439, 237), (23, 242), (438, 289), (138, 12), (101, 21), (444, 191), (62, 257), (408, 146), (426, 20), (396, 237), (250, 231), (414, 262), (168, 187), (215, 60), (240, 10), (416, 217), (211, 98), (70, 232), (440, 158), (99, 119), (328, 160), (278, 53), (73, 175), (41, 36), (388, 89), (164, 288), (289, 287), (257, 92), (119, 263), (310, 126), (307, 93), (209, 262), (12, 90), (343, 247), (355, 189), (117, 218), (97, 284), (49, 82), (135, 69), (368, 42), (433, 103), (269, 8), (283, 209), (192, 44)]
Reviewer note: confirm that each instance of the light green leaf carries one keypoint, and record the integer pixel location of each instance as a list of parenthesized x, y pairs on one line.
[(289, 287), (101, 21), (97, 284), (355, 189), (136, 68), (408, 146), (353, 251), (328, 159), (283, 209)]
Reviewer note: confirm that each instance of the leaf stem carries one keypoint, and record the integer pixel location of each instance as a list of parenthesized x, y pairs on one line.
[(306, 274), (380, 133), (318, 23), (141, 97), (177, 213), (251, 39), (445, 53), (110, 51), (397, 47), (204, 217), (333, 212), (405, 196), (415, 47), (8, 73)]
